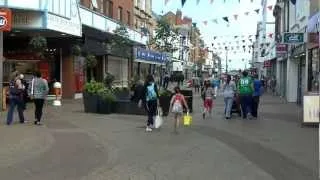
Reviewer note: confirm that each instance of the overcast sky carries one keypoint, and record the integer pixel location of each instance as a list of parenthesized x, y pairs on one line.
[(243, 26)]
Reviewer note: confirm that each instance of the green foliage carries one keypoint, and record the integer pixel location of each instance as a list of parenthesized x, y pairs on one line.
[(76, 50), (91, 61), (93, 87), (166, 36), (120, 42), (108, 80), (165, 93), (38, 44), (107, 95)]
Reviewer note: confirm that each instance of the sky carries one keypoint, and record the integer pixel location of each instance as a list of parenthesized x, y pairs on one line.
[(220, 32)]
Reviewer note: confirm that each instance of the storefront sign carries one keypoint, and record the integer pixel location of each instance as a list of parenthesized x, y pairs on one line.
[(281, 49), (311, 109), (5, 19), (27, 20), (151, 56), (267, 64), (293, 38)]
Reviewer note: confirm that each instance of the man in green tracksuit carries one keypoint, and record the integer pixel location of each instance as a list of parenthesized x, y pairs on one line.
[(245, 85)]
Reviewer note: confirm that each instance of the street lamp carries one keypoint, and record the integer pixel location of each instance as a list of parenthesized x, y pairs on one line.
[(226, 48)]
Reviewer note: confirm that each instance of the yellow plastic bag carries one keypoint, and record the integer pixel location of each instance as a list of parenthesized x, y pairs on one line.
[(187, 119)]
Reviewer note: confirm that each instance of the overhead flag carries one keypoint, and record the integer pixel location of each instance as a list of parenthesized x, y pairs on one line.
[(198, 1), (235, 16), (270, 7), (257, 11), (271, 35), (251, 1), (226, 19), (211, 1), (246, 13), (166, 2), (205, 22), (215, 21), (235, 37), (183, 2), (215, 37)]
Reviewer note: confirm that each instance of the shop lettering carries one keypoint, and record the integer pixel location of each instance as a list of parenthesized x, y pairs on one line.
[(3, 21)]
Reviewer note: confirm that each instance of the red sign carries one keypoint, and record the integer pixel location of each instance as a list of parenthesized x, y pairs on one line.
[(5, 19), (281, 48), (267, 64), (44, 70)]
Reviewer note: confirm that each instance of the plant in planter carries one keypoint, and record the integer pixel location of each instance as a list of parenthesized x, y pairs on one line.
[(106, 101), (76, 50), (164, 99), (108, 80), (91, 62), (38, 44), (91, 96)]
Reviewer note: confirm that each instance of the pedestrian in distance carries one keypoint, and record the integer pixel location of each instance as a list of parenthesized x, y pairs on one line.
[(177, 103), (150, 100), (166, 80), (16, 89), (258, 91), (207, 95), (245, 92), (38, 93), (25, 91), (196, 84), (229, 90)]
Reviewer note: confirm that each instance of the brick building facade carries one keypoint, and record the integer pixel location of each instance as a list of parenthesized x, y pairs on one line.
[(120, 10)]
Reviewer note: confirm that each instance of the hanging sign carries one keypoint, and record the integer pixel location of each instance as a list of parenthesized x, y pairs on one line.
[(293, 38), (5, 19)]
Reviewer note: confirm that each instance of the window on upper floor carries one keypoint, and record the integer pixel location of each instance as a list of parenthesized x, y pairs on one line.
[(120, 15), (128, 18), (94, 4), (110, 13), (106, 7)]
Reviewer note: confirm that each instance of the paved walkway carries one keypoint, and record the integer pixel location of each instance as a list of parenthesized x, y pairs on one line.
[(74, 145)]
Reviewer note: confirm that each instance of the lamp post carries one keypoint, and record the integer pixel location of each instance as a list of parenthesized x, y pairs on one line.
[(226, 48)]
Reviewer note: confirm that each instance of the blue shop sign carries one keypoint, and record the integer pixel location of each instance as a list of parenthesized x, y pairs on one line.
[(151, 56)]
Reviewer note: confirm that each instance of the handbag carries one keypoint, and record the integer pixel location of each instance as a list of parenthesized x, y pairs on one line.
[(158, 121), (187, 119)]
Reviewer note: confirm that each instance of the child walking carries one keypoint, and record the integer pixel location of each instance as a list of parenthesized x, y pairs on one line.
[(176, 106), (207, 95)]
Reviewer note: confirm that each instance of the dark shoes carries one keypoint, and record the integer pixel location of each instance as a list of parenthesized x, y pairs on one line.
[(37, 123)]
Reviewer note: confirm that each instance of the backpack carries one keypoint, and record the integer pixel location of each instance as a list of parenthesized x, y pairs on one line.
[(177, 104), (151, 92)]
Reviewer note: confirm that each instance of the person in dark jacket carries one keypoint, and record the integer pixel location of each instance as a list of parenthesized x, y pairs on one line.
[(138, 90), (150, 98)]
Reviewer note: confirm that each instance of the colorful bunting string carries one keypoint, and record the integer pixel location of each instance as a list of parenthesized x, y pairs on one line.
[(166, 2)]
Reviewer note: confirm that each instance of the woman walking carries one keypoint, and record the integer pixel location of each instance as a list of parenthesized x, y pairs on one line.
[(176, 106), (229, 90), (150, 99), (207, 95), (16, 89), (38, 92)]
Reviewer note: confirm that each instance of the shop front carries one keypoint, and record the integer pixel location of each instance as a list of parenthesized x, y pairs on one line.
[(149, 62), (313, 63)]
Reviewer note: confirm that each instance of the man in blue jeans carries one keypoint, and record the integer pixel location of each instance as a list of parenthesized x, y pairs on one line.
[(16, 89), (245, 85), (258, 89)]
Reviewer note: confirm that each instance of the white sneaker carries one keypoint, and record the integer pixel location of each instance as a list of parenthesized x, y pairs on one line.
[(148, 129)]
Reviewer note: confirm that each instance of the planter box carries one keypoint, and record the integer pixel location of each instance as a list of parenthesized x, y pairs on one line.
[(104, 107), (165, 104), (90, 102), (127, 107), (122, 95), (188, 94)]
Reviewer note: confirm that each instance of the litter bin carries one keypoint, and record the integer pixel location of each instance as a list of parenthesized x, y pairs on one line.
[(188, 94)]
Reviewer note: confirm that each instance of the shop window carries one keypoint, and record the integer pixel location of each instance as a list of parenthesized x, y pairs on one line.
[(128, 18), (314, 71), (110, 9), (106, 7), (94, 4)]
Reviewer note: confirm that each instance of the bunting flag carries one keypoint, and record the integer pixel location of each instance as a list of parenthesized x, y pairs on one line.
[(166, 2), (270, 7), (235, 16), (198, 1), (205, 22), (211, 1), (215, 21), (235, 37), (257, 11), (183, 2), (293, 2), (251, 1), (226, 19), (215, 37), (246, 13)]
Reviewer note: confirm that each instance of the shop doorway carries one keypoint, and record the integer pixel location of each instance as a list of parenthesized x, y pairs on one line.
[(301, 80)]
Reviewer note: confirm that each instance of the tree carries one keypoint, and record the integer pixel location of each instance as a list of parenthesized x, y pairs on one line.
[(120, 42), (91, 62), (166, 36)]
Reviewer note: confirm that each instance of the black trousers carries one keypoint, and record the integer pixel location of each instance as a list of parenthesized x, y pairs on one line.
[(255, 105), (39, 107), (151, 107)]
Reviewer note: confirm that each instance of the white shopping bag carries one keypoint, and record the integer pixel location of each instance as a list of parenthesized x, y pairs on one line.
[(158, 119)]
